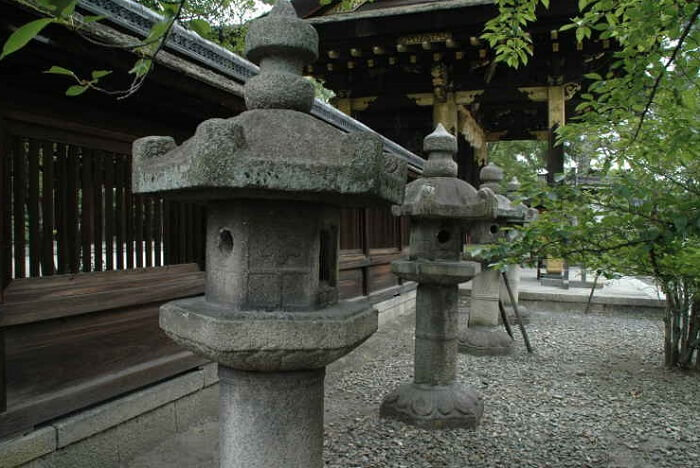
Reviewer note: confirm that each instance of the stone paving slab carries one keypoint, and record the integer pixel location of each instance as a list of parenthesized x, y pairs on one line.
[(624, 291)]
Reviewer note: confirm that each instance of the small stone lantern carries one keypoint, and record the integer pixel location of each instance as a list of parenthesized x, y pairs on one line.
[(273, 179), (480, 334), (439, 206)]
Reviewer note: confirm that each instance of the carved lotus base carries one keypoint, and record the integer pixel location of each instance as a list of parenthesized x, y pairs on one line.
[(485, 341), (434, 406)]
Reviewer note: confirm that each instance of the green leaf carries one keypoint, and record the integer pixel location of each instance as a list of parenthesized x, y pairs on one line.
[(593, 76), (158, 30), (56, 70), (76, 90), (141, 67), (23, 35), (64, 8), (200, 26), (97, 74)]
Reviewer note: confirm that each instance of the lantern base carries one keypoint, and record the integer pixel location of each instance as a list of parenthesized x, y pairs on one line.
[(483, 341), (434, 406)]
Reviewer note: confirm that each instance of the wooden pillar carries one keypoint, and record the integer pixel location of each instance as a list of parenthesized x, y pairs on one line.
[(556, 107), (5, 246), (468, 165), (445, 112), (444, 103)]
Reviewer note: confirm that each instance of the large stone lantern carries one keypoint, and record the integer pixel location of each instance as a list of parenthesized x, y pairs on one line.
[(480, 333), (273, 179), (439, 206)]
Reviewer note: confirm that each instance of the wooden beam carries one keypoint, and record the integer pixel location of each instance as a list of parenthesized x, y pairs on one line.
[(460, 97), (470, 128), (556, 116)]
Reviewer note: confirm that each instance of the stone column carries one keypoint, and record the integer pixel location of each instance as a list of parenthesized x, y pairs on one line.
[(485, 334), (271, 418), (439, 205), (486, 288), (274, 179)]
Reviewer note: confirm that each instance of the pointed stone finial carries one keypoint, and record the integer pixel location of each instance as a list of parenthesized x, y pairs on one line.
[(440, 147), (282, 44), (491, 176)]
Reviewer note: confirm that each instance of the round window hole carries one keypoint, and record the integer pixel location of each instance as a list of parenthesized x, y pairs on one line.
[(493, 228), (443, 236), (225, 241)]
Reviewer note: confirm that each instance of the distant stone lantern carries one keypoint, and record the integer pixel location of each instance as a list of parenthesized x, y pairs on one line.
[(273, 179), (439, 206), (480, 333)]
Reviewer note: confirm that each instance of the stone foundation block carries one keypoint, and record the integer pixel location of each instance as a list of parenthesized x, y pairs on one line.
[(22, 449), (197, 408)]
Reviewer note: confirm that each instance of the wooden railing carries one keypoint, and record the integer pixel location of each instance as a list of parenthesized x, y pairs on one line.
[(85, 265), (69, 208)]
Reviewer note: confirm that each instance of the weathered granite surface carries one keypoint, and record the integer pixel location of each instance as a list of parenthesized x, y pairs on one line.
[(274, 179), (439, 205), (270, 153), (487, 287)]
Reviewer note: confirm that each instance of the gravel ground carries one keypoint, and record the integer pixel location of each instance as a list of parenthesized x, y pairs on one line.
[(593, 394)]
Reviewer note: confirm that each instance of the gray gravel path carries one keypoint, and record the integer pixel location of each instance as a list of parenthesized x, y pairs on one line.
[(594, 394)]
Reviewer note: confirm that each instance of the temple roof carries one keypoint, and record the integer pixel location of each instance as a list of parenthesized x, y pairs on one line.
[(337, 10)]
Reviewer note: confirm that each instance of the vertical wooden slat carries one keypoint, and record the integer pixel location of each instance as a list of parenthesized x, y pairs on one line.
[(157, 232), (5, 212), (174, 233), (199, 235), (120, 211), (47, 208), (129, 208), (365, 249), (189, 241), (148, 229), (86, 210), (138, 229), (97, 191), (63, 247), (33, 209), (19, 215), (73, 173), (5, 246), (109, 211), (167, 232), (183, 231)]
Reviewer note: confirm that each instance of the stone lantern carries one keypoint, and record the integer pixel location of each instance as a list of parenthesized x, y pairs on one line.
[(439, 206), (482, 334), (273, 180)]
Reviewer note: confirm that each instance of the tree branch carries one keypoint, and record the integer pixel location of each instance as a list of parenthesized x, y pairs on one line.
[(655, 88)]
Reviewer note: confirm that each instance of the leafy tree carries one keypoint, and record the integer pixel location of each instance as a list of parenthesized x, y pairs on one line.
[(222, 21), (639, 126)]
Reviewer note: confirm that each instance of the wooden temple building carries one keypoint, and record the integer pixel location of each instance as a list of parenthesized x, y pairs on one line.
[(402, 66), (84, 263)]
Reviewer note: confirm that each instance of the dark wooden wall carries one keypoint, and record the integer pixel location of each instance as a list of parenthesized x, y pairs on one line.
[(84, 263), (83, 268)]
